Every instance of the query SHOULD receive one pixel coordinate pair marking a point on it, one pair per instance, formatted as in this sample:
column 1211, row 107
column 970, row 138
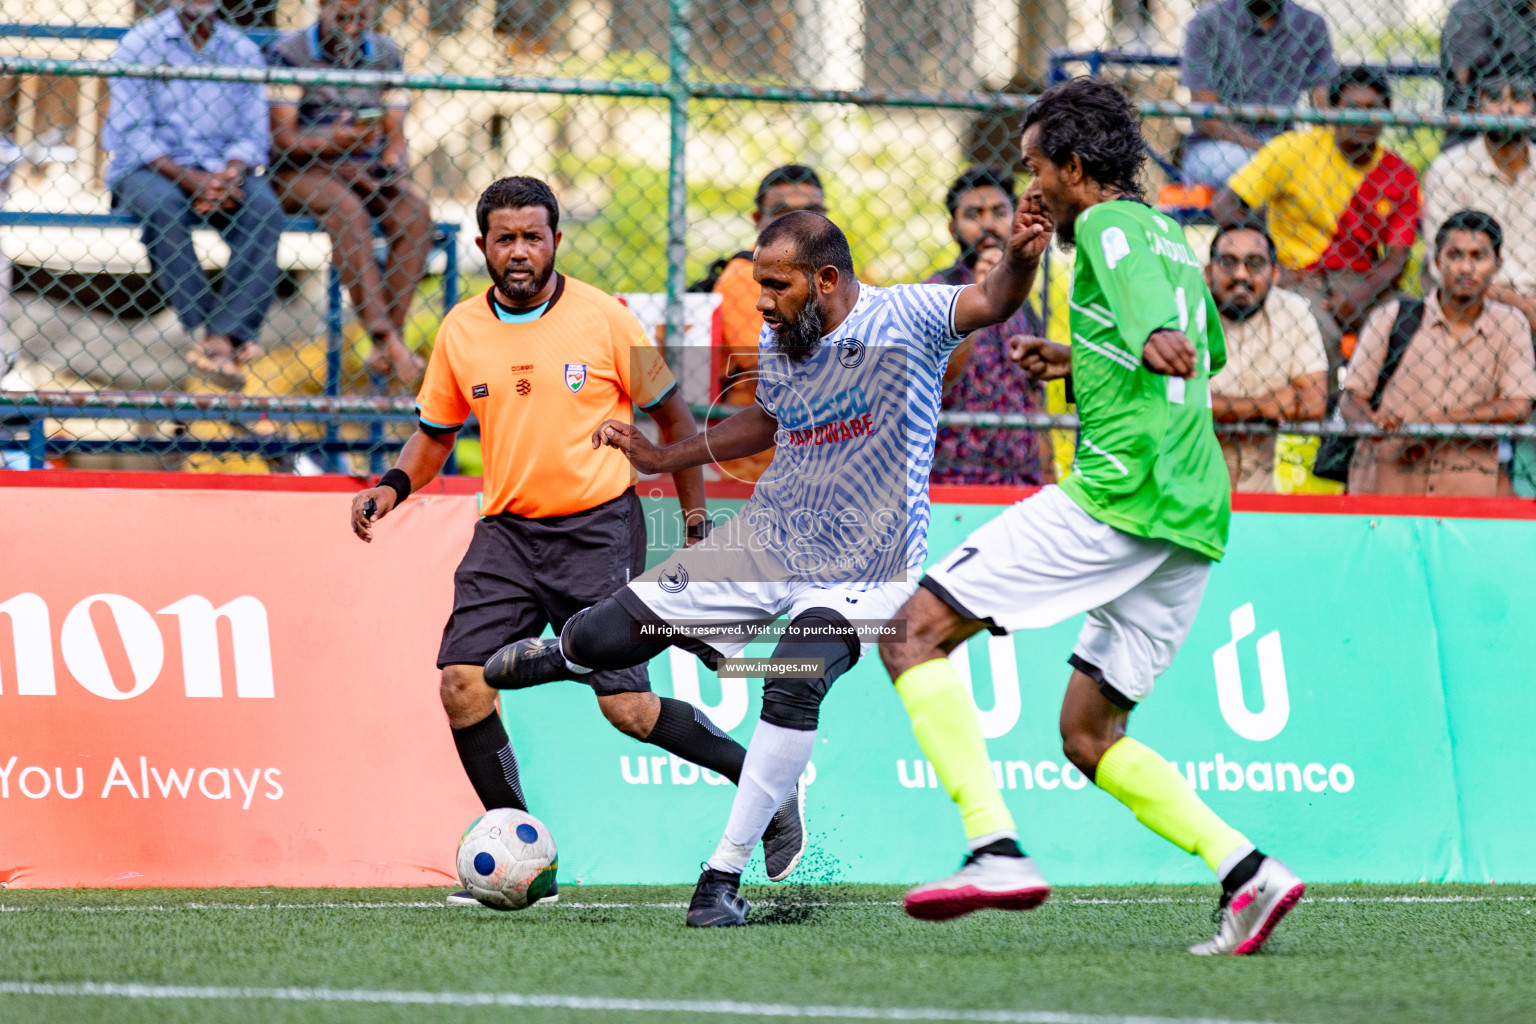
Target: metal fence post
column 451, row 268
column 680, row 37
column 451, row 299
column 37, row 443
column 333, row 344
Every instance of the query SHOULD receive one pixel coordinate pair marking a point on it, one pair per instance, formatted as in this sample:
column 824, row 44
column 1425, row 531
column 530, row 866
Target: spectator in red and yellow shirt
column 1343, row 209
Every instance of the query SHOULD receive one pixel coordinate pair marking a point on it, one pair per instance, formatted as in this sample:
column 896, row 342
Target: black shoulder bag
column 1337, row 451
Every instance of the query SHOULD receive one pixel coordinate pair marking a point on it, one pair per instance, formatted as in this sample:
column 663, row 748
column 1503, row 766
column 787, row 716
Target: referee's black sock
column 486, row 753
column 684, row 730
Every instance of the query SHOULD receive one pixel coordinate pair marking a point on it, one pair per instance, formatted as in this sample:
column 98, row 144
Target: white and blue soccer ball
column 507, row 859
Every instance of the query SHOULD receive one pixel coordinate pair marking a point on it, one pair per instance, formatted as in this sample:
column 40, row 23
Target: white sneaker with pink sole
column 1244, row 922
column 986, row 881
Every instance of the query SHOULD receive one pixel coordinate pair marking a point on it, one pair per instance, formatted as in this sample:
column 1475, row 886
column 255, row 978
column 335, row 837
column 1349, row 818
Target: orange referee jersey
column 539, row 390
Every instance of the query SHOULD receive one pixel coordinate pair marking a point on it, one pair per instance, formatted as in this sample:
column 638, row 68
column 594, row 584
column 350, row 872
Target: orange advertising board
column 225, row 687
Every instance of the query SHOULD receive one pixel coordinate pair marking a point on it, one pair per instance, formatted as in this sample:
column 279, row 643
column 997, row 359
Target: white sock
column 730, row 858
column 775, row 758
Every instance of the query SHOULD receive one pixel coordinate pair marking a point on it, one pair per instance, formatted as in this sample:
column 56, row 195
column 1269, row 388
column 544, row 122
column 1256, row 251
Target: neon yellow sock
column 947, row 728
column 1138, row 777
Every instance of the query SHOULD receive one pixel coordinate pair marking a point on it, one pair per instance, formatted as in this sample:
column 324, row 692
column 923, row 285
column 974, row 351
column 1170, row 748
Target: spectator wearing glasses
column 1265, row 52
column 1343, row 209
column 339, row 156
column 1494, row 173
column 187, row 153
column 783, row 190
column 980, row 376
column 1276, row 366
column 1470, row 361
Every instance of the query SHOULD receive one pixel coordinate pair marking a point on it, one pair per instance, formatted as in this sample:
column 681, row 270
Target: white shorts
column 723, row 579
column 1045, row 560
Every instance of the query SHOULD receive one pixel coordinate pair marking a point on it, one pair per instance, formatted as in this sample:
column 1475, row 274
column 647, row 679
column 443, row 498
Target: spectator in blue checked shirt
column 1263, row 52
column 186, row 153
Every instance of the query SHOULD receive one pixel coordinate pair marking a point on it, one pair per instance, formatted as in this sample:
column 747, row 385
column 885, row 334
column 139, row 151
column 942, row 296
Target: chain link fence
column 276, row 322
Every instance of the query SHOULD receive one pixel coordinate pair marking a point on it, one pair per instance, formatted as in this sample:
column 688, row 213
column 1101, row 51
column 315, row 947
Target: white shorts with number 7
column 1045, row 560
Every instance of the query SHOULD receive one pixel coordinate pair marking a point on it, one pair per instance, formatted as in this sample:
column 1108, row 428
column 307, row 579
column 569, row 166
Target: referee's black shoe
column 716, row 903
column 527, row 663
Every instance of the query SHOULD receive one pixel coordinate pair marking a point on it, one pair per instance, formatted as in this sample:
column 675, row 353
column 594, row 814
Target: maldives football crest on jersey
column 575, row 376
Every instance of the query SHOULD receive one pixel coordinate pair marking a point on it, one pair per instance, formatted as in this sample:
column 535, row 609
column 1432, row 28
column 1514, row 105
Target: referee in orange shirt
column 541, row 360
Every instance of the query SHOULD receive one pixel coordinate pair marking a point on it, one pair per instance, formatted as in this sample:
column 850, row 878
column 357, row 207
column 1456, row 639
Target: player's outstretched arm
column 422, row 458
column 1007, row 285
column 674, row 420
column 1169, row 353
column 746, row 433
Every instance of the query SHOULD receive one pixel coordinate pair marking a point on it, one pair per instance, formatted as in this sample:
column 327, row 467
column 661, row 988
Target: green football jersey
column 1148, row 460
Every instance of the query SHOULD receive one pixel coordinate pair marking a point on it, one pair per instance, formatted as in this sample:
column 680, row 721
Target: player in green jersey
column 1128, row 538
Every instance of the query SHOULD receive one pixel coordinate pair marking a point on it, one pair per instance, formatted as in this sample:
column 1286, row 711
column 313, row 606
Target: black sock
column 486, row 753
column 1242, row 872
column 1000, row 848
column 684, row 730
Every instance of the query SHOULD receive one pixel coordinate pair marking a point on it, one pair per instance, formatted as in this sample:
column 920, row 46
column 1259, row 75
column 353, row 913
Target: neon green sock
column 1138, row 777
column 947, row 728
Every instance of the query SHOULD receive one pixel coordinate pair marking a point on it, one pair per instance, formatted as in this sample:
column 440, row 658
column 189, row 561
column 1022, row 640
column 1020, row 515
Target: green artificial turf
column 1349, row 954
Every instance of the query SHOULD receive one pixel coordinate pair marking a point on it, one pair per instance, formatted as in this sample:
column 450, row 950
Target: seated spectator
column 339, row 155
column 784, row 190
column 183, row 153
column 1276, row 367
column 1249, row 52
column 1343, row 210
column 1485, row 38
column 1494, row 173
column 1469, row 362
column 980, row 376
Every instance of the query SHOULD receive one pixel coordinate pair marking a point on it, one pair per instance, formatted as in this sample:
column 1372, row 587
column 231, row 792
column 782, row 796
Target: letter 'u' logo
column 1266, row 723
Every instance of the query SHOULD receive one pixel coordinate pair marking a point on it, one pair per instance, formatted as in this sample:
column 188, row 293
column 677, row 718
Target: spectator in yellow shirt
column 1343, row 209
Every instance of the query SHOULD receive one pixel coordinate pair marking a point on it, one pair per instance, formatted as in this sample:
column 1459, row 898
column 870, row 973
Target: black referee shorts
column 520, row 574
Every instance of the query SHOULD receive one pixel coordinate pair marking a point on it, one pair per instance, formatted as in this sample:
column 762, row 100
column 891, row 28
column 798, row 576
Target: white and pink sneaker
column 986, row 881
column 1245, row 921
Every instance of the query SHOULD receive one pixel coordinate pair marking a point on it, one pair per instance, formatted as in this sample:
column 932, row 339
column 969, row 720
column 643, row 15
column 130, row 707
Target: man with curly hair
column 1128, row 538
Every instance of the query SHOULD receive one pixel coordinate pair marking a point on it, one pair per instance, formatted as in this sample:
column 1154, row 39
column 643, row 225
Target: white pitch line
column 731, row 1008
column 119, row 908
column 1074, row 901
column 1419, row 899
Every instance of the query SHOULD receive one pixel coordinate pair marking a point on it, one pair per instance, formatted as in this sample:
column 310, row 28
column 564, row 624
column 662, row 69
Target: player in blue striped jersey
column 835, row 534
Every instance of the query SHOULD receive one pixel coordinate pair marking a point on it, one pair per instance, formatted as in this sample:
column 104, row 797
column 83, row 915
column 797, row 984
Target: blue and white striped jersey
column 845, row 499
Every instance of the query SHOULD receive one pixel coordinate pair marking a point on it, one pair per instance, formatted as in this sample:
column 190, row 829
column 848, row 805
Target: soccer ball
column 507, row 859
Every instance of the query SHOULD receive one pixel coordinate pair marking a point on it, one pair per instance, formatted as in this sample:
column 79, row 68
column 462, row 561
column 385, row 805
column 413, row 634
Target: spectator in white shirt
column 1494, row 173
column 1277, row 368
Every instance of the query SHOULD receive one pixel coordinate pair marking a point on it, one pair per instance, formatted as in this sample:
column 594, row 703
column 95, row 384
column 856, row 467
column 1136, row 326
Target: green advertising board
column 1354, row 696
